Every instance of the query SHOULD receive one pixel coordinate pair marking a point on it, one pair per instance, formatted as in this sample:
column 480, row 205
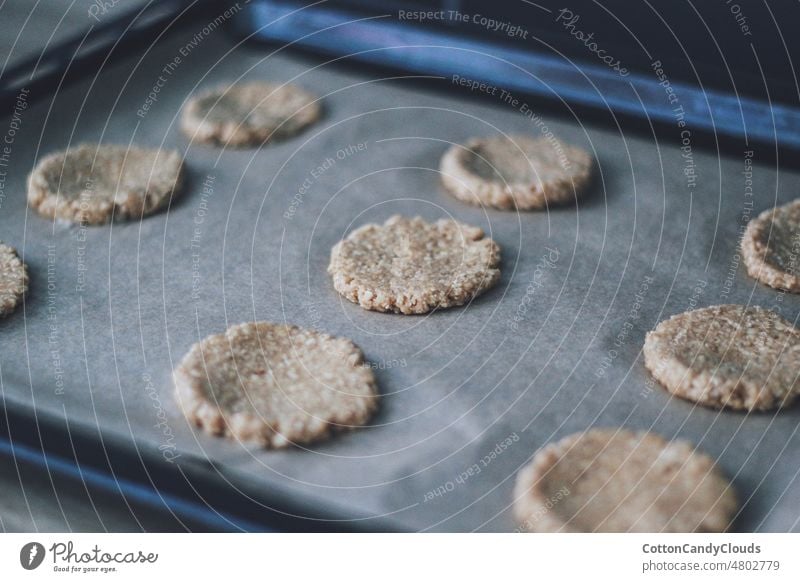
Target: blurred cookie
column 410, row 266
column 516, row 172
column 771, row 247
column 13, row 279
column 745, row 358
column 90, row 184
column 249, row 114
column 607, row 480
column 275, row 384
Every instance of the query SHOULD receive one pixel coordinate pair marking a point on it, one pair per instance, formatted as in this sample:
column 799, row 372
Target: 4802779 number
column 754, row 565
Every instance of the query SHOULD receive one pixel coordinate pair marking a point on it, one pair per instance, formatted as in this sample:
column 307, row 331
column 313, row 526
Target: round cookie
column 608, row 480
column 249, row 114
column 275, row 384
column 516, row 172
column 410, row 266
column 745, row 358
column 13, row 279
column 92, row 184
column 771, row 247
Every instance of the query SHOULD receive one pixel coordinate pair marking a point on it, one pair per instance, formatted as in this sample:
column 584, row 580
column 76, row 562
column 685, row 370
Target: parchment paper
column 470, row 393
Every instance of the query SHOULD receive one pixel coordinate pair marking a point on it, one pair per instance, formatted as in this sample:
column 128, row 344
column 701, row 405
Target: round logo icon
column 31, row 555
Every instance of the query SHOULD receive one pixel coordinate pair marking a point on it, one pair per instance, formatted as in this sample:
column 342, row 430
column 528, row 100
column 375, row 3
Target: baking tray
column 468, row 394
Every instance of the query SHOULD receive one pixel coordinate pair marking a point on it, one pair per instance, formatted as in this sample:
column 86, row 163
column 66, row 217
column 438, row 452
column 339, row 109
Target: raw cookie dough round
column 516, row 172
column 608, row 480
column 745, row 358
column 92, row 184
column 771, row 247
column 13, row 279
column 249, row 114
column 275, row 384
column 408, row 265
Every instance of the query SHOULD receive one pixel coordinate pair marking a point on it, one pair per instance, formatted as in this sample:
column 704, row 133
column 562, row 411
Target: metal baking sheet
column 469, row 393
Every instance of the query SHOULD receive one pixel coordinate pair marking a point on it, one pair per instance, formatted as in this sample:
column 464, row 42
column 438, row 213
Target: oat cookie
column 92, row 184
column 745, row 358
column 249, row 114
column 608, row 480
column 516, row 172
column 13, row 279
column 408, row 265
column 771, row 247
column 275, row 384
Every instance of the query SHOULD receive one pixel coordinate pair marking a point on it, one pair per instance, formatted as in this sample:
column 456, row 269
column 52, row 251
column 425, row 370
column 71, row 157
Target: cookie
column 410, row 266
column 249, row 114
column 744, row 358
column 771, row 247
column 13, row 279
column 516, row 172
column 608, row 480
column 275, row 384
column 92, row 184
